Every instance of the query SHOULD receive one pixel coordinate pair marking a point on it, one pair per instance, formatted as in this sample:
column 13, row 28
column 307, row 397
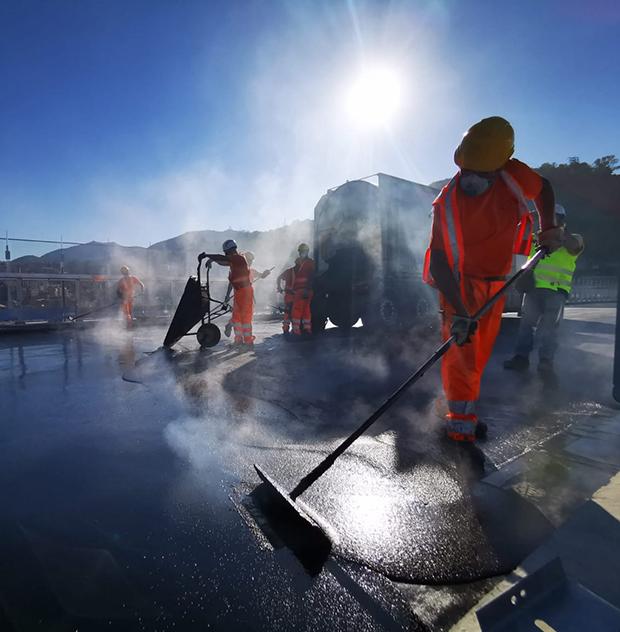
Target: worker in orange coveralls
column 125, row 291
column 302, row 291
column 255, row 275
column 288, row 279
column 243, row 300
column 480, row 219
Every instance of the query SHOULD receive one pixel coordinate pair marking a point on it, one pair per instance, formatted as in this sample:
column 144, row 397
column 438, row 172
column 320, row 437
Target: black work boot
column 481, row 430
column 517, row 363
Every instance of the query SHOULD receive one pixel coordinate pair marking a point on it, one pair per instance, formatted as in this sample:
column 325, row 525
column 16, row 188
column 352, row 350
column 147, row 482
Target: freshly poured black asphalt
column 130, row 500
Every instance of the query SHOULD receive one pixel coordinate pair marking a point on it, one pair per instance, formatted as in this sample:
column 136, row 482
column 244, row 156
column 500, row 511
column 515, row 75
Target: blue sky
column 136, row 120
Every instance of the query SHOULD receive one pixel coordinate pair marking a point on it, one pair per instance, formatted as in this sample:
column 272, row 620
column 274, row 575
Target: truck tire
column 381, row 315
column 390, row 313
column 318, row 323
column 423, row 309
column 318, row 313
column 342, row 313
column 419, row 310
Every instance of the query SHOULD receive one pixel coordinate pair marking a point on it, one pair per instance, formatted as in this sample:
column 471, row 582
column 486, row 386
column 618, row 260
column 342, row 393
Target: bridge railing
column 594, row 289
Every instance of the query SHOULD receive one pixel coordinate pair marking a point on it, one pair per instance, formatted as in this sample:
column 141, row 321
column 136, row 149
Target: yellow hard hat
column 486, row 146
column 303, row 246
column 124, row 270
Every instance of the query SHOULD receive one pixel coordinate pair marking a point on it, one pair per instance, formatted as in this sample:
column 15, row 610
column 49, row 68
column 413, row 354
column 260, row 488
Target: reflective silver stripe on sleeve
column 516, row 191
column 454, row 244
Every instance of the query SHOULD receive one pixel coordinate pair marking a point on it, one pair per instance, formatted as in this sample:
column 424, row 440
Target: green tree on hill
column 591, row 195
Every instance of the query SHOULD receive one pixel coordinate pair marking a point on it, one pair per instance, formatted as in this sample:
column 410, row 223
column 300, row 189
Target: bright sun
column 374, row 97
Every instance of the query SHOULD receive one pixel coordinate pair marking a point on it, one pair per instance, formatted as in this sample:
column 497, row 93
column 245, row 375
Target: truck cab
column 370, row 236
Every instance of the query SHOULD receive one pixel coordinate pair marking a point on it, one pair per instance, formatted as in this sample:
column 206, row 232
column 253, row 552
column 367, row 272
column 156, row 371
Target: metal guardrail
column 594, row 289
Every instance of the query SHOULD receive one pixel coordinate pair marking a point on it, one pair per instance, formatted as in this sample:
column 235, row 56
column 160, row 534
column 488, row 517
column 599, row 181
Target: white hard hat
column 228, row 245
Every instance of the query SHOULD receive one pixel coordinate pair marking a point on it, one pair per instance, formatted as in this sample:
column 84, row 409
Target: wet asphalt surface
column 130, row 501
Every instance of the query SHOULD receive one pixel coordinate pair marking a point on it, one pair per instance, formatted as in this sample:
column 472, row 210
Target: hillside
column 271, row 247
column 171, row 257
column 591, row 195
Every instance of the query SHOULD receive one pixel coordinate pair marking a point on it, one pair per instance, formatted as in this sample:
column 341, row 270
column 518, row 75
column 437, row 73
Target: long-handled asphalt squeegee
column 92, row 311
column 312, row 476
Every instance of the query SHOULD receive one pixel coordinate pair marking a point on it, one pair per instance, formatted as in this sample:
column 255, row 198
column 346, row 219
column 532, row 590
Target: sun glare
column 374, row 97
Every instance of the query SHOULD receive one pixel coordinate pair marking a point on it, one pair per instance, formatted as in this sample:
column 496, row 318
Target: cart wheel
column 208, row 335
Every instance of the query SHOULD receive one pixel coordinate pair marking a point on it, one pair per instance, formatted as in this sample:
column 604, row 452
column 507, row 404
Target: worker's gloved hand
column 551, row 239
column 463, row 328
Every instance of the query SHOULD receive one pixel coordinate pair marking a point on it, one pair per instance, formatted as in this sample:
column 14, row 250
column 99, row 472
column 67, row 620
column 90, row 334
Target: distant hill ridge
column 589, row 192
column 176, row 256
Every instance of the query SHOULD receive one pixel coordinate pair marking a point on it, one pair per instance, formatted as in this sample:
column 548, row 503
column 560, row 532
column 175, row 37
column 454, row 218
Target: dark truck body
column 369, row 244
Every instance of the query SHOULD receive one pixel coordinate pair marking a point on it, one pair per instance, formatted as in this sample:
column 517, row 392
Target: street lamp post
column 616, row 390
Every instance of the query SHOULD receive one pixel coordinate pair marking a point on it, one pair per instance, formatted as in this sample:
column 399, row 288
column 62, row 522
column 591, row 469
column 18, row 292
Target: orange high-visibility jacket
column 239, row 275
column 303, row 274
column 516, row 231
column 126, row 286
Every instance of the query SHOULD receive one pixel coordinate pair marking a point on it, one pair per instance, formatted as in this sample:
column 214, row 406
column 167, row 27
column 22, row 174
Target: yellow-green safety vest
column 555, row 271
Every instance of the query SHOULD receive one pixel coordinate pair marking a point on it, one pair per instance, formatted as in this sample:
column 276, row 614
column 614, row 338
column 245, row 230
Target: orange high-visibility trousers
column 462, row 367
column 127, row 311
column 300, row 313
column 243, row 312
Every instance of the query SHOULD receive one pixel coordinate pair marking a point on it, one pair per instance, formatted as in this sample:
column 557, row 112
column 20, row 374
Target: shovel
column 289, row 498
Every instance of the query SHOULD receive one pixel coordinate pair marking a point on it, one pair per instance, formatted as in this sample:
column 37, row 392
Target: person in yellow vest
column 543, row 305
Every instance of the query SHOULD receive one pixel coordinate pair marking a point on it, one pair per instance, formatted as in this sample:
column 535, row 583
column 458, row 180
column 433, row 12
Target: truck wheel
column 343, row 316
column 418, row 311
column 343, row 322
column 393, row 314
column 423, row 308
column 318, row 323
column 388, row 313
column 380, row 315
column 318, row 313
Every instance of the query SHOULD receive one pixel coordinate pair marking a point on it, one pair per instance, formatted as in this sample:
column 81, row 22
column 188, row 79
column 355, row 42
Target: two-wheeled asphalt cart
column 198, row 306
